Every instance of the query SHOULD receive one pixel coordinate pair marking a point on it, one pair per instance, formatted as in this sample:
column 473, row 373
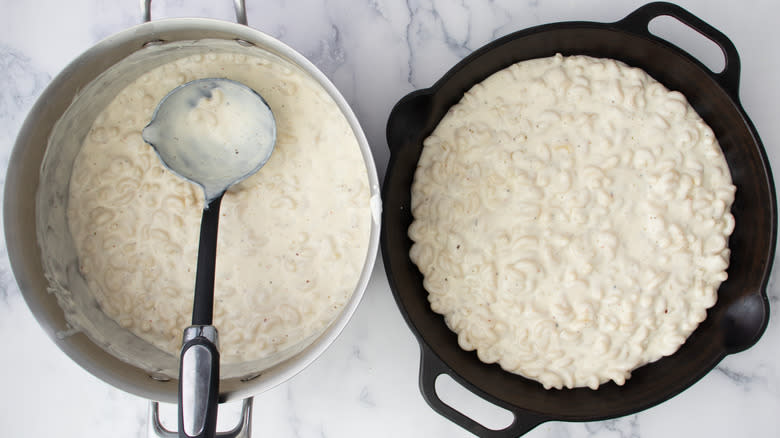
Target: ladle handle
column 199, row 383
column 203, row 304
column 239, row 5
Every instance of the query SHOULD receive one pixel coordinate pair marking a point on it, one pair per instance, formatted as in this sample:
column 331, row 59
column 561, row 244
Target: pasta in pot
column 571, row 220
column 293, row 238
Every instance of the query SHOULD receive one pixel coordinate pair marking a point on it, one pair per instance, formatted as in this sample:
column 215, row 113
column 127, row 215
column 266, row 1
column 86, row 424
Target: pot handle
column 239, row 5
column 242, row 430
column 638, row 21
column 432, row 367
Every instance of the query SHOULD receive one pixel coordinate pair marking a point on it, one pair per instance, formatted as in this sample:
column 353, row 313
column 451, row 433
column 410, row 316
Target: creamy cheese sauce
column 572, row 218
column 293, row 238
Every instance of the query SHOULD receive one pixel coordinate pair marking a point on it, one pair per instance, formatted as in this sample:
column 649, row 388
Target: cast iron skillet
column 735, row 323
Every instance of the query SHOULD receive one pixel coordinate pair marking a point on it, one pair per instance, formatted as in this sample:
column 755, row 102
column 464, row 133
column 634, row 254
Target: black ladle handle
column 639, row 20
column 432, row 367
column 203, row 304
column 199, row 383
column 199, row 362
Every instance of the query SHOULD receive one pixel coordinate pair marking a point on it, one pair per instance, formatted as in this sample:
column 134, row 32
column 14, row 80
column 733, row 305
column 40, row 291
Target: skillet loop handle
column 408, row 116
column 238, row 5
column 432, row 367
column 638, row 21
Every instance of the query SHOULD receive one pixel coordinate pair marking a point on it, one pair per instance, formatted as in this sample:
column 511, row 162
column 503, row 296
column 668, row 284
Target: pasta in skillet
column 571, row 220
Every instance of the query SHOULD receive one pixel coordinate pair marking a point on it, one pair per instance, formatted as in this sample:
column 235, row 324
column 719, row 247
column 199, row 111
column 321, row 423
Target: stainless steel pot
column 70, row 103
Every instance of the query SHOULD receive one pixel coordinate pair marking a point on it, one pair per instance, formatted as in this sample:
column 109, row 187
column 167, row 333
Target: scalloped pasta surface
column 293, row 238
column 571, row 220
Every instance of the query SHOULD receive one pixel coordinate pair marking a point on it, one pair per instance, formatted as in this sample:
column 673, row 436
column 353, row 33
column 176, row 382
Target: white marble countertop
column 375, row 51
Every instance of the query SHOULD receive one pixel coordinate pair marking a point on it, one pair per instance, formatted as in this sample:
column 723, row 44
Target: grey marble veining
column 20, row 84
column 365, row 384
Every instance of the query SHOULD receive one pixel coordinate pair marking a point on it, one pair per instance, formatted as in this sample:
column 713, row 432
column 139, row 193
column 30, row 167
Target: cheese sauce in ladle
column 213, row 132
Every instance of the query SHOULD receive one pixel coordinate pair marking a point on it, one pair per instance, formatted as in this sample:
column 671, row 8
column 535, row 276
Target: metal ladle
column 214, row 133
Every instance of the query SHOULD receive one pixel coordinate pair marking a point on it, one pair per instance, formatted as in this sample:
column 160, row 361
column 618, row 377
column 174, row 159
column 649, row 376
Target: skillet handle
column 432, row 367
column 638, row 21
column 239, row 5
column 407, row 118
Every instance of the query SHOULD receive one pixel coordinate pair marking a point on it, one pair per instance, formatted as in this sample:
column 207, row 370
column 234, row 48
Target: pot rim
column 22, row 185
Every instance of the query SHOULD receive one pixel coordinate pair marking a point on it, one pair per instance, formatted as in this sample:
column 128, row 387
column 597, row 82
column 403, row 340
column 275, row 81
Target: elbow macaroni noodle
column 571, row 220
